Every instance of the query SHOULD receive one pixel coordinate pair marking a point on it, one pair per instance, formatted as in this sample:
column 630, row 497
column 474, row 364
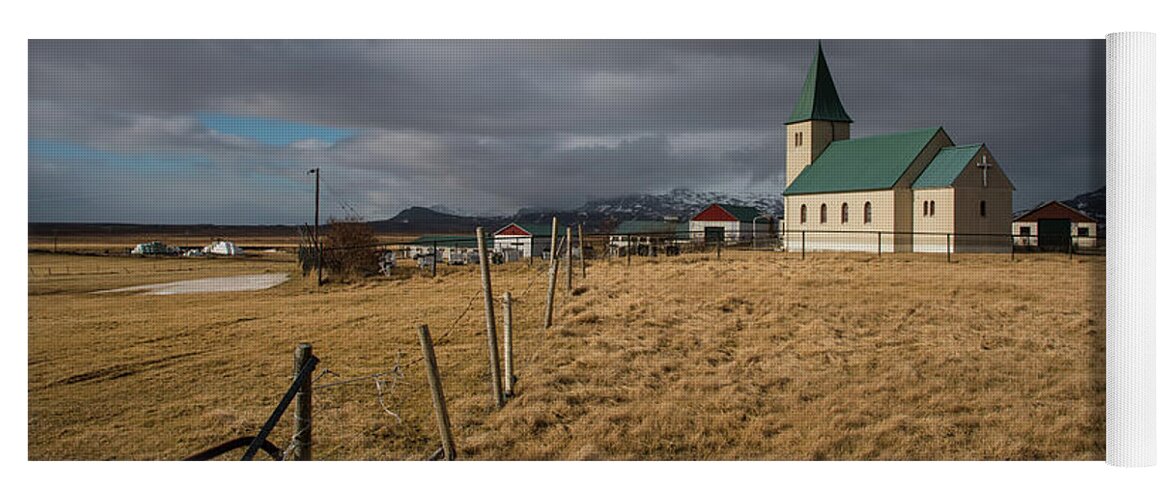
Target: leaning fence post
column 552, row 276
column 581, row 249
column 509, row 379
column 569, row 256
column 489, row 317
column 437, row 393
column 719, row 249
column 303, row 413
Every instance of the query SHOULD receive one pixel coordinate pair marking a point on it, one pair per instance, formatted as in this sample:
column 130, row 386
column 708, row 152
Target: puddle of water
column 245, row 283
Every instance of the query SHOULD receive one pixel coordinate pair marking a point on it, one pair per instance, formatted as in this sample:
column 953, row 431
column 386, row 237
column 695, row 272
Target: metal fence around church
column 628, row 246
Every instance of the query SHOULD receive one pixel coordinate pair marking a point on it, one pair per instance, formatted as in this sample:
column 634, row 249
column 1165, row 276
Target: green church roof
column 946, row 166
column 819, row 98
column 867, row 164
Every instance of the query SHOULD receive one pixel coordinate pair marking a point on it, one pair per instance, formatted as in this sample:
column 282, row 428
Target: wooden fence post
column 303, row 413
column 569, row 262
column 802, row 245
column 509, row 378
column 880, row 243
column 434, row 257
column 949, row 247
column 437, row 393
column 719, row 249
column 581, row 249
column 552, row 276
column 490, row 317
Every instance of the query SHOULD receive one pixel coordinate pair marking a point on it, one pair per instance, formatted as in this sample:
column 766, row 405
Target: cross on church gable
column 984, row 166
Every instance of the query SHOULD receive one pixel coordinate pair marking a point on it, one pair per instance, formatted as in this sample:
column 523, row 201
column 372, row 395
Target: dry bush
column 350, row 249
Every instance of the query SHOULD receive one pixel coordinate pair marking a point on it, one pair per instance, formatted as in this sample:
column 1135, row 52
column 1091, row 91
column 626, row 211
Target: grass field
column 758, row 355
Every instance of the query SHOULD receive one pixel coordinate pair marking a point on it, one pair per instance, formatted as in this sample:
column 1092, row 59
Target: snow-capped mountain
column 682, row 203
column 1092, row 204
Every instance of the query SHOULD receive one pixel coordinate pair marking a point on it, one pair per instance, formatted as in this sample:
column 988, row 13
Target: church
column 912, row 191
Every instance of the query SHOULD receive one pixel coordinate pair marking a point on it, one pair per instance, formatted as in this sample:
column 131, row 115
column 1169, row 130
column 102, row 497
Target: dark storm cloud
column 492, row 126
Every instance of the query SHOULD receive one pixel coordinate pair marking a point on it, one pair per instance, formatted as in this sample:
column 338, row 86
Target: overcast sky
column 223, row 131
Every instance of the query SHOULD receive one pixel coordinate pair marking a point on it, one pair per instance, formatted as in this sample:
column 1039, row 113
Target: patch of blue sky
column 271, row 131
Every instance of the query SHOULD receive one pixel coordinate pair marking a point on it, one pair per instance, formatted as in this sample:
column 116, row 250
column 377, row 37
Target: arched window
column 933, row 208
column 803, row 214
column 867, row 216
column 924, row 209
column 824, row 213
column 845, row 213
column 983, row 209
column 797, row 139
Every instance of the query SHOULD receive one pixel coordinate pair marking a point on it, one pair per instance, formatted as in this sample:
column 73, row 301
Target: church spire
column 819, row 98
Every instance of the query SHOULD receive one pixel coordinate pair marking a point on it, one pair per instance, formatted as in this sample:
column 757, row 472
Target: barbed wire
column 385, row 383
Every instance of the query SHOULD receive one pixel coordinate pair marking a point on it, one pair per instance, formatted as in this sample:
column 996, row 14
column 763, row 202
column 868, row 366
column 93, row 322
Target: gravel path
column 245, row 283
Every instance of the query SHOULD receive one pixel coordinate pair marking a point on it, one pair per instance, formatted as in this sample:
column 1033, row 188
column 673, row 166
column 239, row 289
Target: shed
column 1055, row 226
column 529, row 239
column 723, row 222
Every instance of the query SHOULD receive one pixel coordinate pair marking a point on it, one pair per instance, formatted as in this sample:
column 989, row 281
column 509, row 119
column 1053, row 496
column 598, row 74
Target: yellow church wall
column 855, row 235
column 933, row 227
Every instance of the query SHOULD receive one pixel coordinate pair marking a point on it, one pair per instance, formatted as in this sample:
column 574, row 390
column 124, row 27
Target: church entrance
column 1053, row 235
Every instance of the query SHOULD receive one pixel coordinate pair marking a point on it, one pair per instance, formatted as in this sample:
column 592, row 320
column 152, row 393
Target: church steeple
column 817, row 120
column 819, row 98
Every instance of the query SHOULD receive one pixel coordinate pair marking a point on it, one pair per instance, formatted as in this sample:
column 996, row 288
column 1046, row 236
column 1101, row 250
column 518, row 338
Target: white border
column 1130, row 331
column 532, row 19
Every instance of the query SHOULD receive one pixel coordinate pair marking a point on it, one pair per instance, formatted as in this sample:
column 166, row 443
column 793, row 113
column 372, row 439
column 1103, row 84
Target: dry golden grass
column 756, row 356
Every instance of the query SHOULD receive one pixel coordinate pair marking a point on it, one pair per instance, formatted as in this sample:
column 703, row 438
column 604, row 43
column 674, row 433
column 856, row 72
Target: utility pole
column 317, row 220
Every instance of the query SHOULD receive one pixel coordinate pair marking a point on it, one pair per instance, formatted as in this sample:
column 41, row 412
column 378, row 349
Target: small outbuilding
column 525, row 239
column 154, row 248
column 1055, row 226
column 221, row 247
column 721, row 222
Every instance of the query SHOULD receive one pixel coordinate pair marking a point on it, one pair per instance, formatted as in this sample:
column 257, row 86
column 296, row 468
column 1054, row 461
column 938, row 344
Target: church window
column 845, row 213
column 803, row 214
column 924, row 209
column 797, row 139
column 933, row 208
column 983, row 209
column 867, row 217
column 824, row 213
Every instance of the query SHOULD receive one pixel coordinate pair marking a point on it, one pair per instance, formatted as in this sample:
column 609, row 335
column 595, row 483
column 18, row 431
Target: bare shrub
column 350, row 248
